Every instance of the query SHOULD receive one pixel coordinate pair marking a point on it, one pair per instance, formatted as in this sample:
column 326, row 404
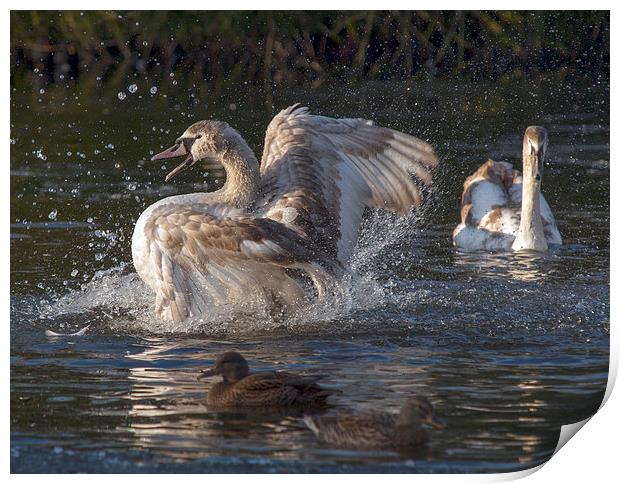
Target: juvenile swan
column 301, row 209
column 502, row 210
column 377, row 429
column 240, row 388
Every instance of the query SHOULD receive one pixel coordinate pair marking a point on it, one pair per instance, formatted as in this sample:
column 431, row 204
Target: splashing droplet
column 133, row 88
column 122, row 95
column 53, row 214
column 154, row 90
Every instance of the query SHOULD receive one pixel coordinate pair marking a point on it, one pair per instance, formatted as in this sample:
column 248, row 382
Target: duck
column 270, row 389
column 282, row 229
column 503, row 209
column 376, row 429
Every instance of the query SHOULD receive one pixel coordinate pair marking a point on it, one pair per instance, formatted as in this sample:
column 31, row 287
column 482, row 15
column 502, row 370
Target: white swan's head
column 534, row 150
column 202, row 140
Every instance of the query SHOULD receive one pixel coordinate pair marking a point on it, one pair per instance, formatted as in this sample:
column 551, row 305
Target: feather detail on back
column 196, row 256
column 264, row 389
column 365, row 430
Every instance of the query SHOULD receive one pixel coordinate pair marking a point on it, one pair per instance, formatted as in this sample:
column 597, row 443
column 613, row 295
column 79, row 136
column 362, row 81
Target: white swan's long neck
column 242, row 184
column 531, row 235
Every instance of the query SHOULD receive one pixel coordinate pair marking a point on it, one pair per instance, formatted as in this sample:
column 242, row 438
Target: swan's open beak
column 178, row 149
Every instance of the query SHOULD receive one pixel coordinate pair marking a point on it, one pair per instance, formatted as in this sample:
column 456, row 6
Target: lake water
column 507, row 347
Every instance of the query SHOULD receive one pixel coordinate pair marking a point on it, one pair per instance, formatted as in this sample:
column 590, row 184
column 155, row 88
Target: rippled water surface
column 507, row 347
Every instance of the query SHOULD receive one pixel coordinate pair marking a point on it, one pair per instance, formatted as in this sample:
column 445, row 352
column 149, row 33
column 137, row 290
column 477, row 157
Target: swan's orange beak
column 178, row 149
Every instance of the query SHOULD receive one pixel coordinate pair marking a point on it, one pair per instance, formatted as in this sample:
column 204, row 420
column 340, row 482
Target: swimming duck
column 239, row 388
column 502, row 210
column 300, row 209
column 377, row 429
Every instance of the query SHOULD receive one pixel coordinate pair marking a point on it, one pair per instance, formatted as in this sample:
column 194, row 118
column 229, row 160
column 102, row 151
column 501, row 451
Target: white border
column 589, row 457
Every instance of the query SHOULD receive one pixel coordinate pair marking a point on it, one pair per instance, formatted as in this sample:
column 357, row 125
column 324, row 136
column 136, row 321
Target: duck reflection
column 169, row 411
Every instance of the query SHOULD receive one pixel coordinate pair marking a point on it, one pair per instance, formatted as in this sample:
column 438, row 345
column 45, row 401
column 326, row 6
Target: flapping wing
column 190, row 247
column 319, row 173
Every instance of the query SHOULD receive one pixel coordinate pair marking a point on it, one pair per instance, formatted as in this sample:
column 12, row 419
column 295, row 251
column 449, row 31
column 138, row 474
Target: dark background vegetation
column 310, row 48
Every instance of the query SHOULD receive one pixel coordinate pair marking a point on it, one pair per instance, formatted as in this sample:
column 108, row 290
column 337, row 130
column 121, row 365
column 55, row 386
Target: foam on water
column 118, row 300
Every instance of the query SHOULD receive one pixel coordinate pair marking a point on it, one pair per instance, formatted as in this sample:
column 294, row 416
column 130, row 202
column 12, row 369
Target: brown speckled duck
column 239, row 388
column 377, row 429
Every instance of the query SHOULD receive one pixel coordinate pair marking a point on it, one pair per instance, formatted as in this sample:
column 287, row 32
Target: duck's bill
column 206, row 373
column 437, row 423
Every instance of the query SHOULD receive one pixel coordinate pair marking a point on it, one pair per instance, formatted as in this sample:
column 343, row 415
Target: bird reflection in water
column 526, row 266
column 169, row 414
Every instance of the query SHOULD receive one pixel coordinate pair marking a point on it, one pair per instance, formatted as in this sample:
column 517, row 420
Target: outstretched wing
column 190, row 250
column 319, row 173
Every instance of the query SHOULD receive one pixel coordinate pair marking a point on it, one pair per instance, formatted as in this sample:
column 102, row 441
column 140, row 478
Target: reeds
column 307, row 47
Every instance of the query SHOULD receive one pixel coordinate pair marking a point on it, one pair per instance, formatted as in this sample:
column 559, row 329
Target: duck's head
column 418, row 410
column 202, row 140
column 534, row 149
column 231, row 365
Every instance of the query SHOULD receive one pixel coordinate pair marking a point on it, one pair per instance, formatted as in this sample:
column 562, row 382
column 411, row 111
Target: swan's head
column 418, row 410
column 208, row 140
column 534, row 149
column 231, row 365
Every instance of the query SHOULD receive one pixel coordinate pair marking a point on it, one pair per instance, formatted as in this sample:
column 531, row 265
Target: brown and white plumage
column 301, row 209
column 240, row 388
column 495, row 214
column 376, row 429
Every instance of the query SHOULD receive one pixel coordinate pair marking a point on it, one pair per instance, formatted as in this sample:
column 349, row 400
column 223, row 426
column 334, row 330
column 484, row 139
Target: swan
column 297, row 213
column 502, row 210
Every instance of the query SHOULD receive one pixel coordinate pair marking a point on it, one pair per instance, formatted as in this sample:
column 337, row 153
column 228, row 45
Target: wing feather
column 191, row 249
column 329, row 169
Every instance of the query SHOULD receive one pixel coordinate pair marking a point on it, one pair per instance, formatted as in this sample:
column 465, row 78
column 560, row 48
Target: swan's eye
column 537, row 177
column 198, row 136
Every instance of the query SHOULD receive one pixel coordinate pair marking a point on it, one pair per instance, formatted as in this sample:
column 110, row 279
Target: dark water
column 507, row 347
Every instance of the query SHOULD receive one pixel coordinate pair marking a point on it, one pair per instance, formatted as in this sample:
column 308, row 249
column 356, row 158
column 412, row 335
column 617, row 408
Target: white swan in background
column 299, row 212
column 502, row 210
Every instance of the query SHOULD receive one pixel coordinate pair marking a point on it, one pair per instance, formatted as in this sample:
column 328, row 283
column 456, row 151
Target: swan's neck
column 242, row 176
column 531, row 235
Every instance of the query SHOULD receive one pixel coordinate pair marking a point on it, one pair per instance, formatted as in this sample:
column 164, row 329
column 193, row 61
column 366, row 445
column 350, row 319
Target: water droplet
column 41, row 91
column 122, row 95
column 132, row 89
column 74, row 272
column 52, row 215
column 154, row 90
